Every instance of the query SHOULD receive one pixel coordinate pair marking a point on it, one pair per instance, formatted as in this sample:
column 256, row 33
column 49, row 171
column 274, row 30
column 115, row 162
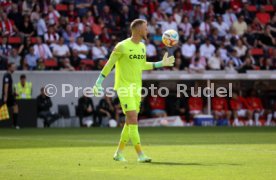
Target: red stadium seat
column 88, row 62
column 1, row 40
column 14, row 40
column 252, row 8
column 33, row 40
column 268, row 8
column 257, row 51
column 61, row 7
column 50, row 63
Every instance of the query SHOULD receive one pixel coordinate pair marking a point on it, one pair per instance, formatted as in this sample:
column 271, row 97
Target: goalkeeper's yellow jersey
column 130, row 61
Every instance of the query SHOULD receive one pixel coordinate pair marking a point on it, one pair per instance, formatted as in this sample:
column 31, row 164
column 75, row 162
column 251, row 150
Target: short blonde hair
column 137, row 22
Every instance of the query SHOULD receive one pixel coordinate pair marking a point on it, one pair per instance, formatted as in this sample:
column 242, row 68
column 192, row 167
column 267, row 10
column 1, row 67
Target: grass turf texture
column 178, row 153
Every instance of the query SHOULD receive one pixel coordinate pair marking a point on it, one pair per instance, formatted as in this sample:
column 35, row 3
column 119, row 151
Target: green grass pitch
column 178, row 153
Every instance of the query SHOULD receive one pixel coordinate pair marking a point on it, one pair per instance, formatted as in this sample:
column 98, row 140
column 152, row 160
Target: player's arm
column 115, row 55
column 166, row 62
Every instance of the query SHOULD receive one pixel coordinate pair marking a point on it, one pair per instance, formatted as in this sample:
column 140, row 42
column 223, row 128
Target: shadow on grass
column 193, row 164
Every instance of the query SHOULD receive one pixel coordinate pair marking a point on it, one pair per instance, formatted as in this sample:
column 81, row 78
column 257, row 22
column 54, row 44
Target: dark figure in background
column 106, row 110
column 8, row 93
column 86, row 108
column 44, row 104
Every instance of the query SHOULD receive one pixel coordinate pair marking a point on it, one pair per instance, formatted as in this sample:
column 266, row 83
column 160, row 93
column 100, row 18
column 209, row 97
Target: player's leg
column 132, row 120
column 15, row 116
column 127, row 104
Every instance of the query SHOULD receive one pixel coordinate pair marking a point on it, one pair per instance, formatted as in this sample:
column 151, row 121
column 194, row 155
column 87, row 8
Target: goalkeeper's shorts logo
column 134, row 56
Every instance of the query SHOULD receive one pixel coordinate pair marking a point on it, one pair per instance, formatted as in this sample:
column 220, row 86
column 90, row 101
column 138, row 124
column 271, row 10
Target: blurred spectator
column 185, row 26
column 157, row 105
column 27, row 7
column 5, row 50
column 220, row 108
column 72, row 13
column 196, row 66
column 15, row 58
column 75, row 59
column 44, row 105
column 152, row 26
column 249, row 38
column 215, row 62
column 167, row 6
column 35, row 15
column 266, row 39
column 205, row 27
column 68, row 35
column 256, row 26
column 106, row 110
column 23, row 88
column 86, row 109
column 51, row 37
column 108, row 17
column 221, row 26
column 240, row 25
column 31, row 59
column 60, row 50
column 157, row 38
column 196, row 15
column 7, row 27
column 240, row 48
column 202, row 59
column 41, row 27
column 53, row 15
column 237, row 62
column 263, row 16
column 88, row 36
column 159, row 15
column 42, row 50
column 66, row 65
column 26, row 27
column 207, row 50
column 256, row 105
column 240, row 108
column 178, row 60
column 23, row 49
column 15, row 15
column 83, row 6
column 99, row 53
column 81, row 48
column 151, row 51
column 188, row 51
column 247, row 65
column 230, row 67
column 229, row 17
column 170, row 24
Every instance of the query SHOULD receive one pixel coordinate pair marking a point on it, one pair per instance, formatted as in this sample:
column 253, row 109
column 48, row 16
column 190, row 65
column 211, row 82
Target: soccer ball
column 170, row 38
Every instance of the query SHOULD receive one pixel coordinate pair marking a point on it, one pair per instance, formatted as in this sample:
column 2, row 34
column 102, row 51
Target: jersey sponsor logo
column 136, row 56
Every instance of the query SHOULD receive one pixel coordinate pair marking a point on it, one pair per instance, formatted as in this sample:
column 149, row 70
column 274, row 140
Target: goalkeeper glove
column 98, row 88
column 166, row 61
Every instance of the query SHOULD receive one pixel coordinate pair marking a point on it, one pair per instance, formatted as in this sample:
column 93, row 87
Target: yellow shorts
column 130, row 103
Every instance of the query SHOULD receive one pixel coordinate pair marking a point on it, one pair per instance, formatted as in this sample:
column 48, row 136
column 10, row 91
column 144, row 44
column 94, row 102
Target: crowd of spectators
column 235, row 35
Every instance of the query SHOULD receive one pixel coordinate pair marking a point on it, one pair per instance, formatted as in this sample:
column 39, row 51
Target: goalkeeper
column 129, row 58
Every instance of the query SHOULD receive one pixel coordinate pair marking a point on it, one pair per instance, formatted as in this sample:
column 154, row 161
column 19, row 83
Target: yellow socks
column 124, row 139
column 135, row 138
